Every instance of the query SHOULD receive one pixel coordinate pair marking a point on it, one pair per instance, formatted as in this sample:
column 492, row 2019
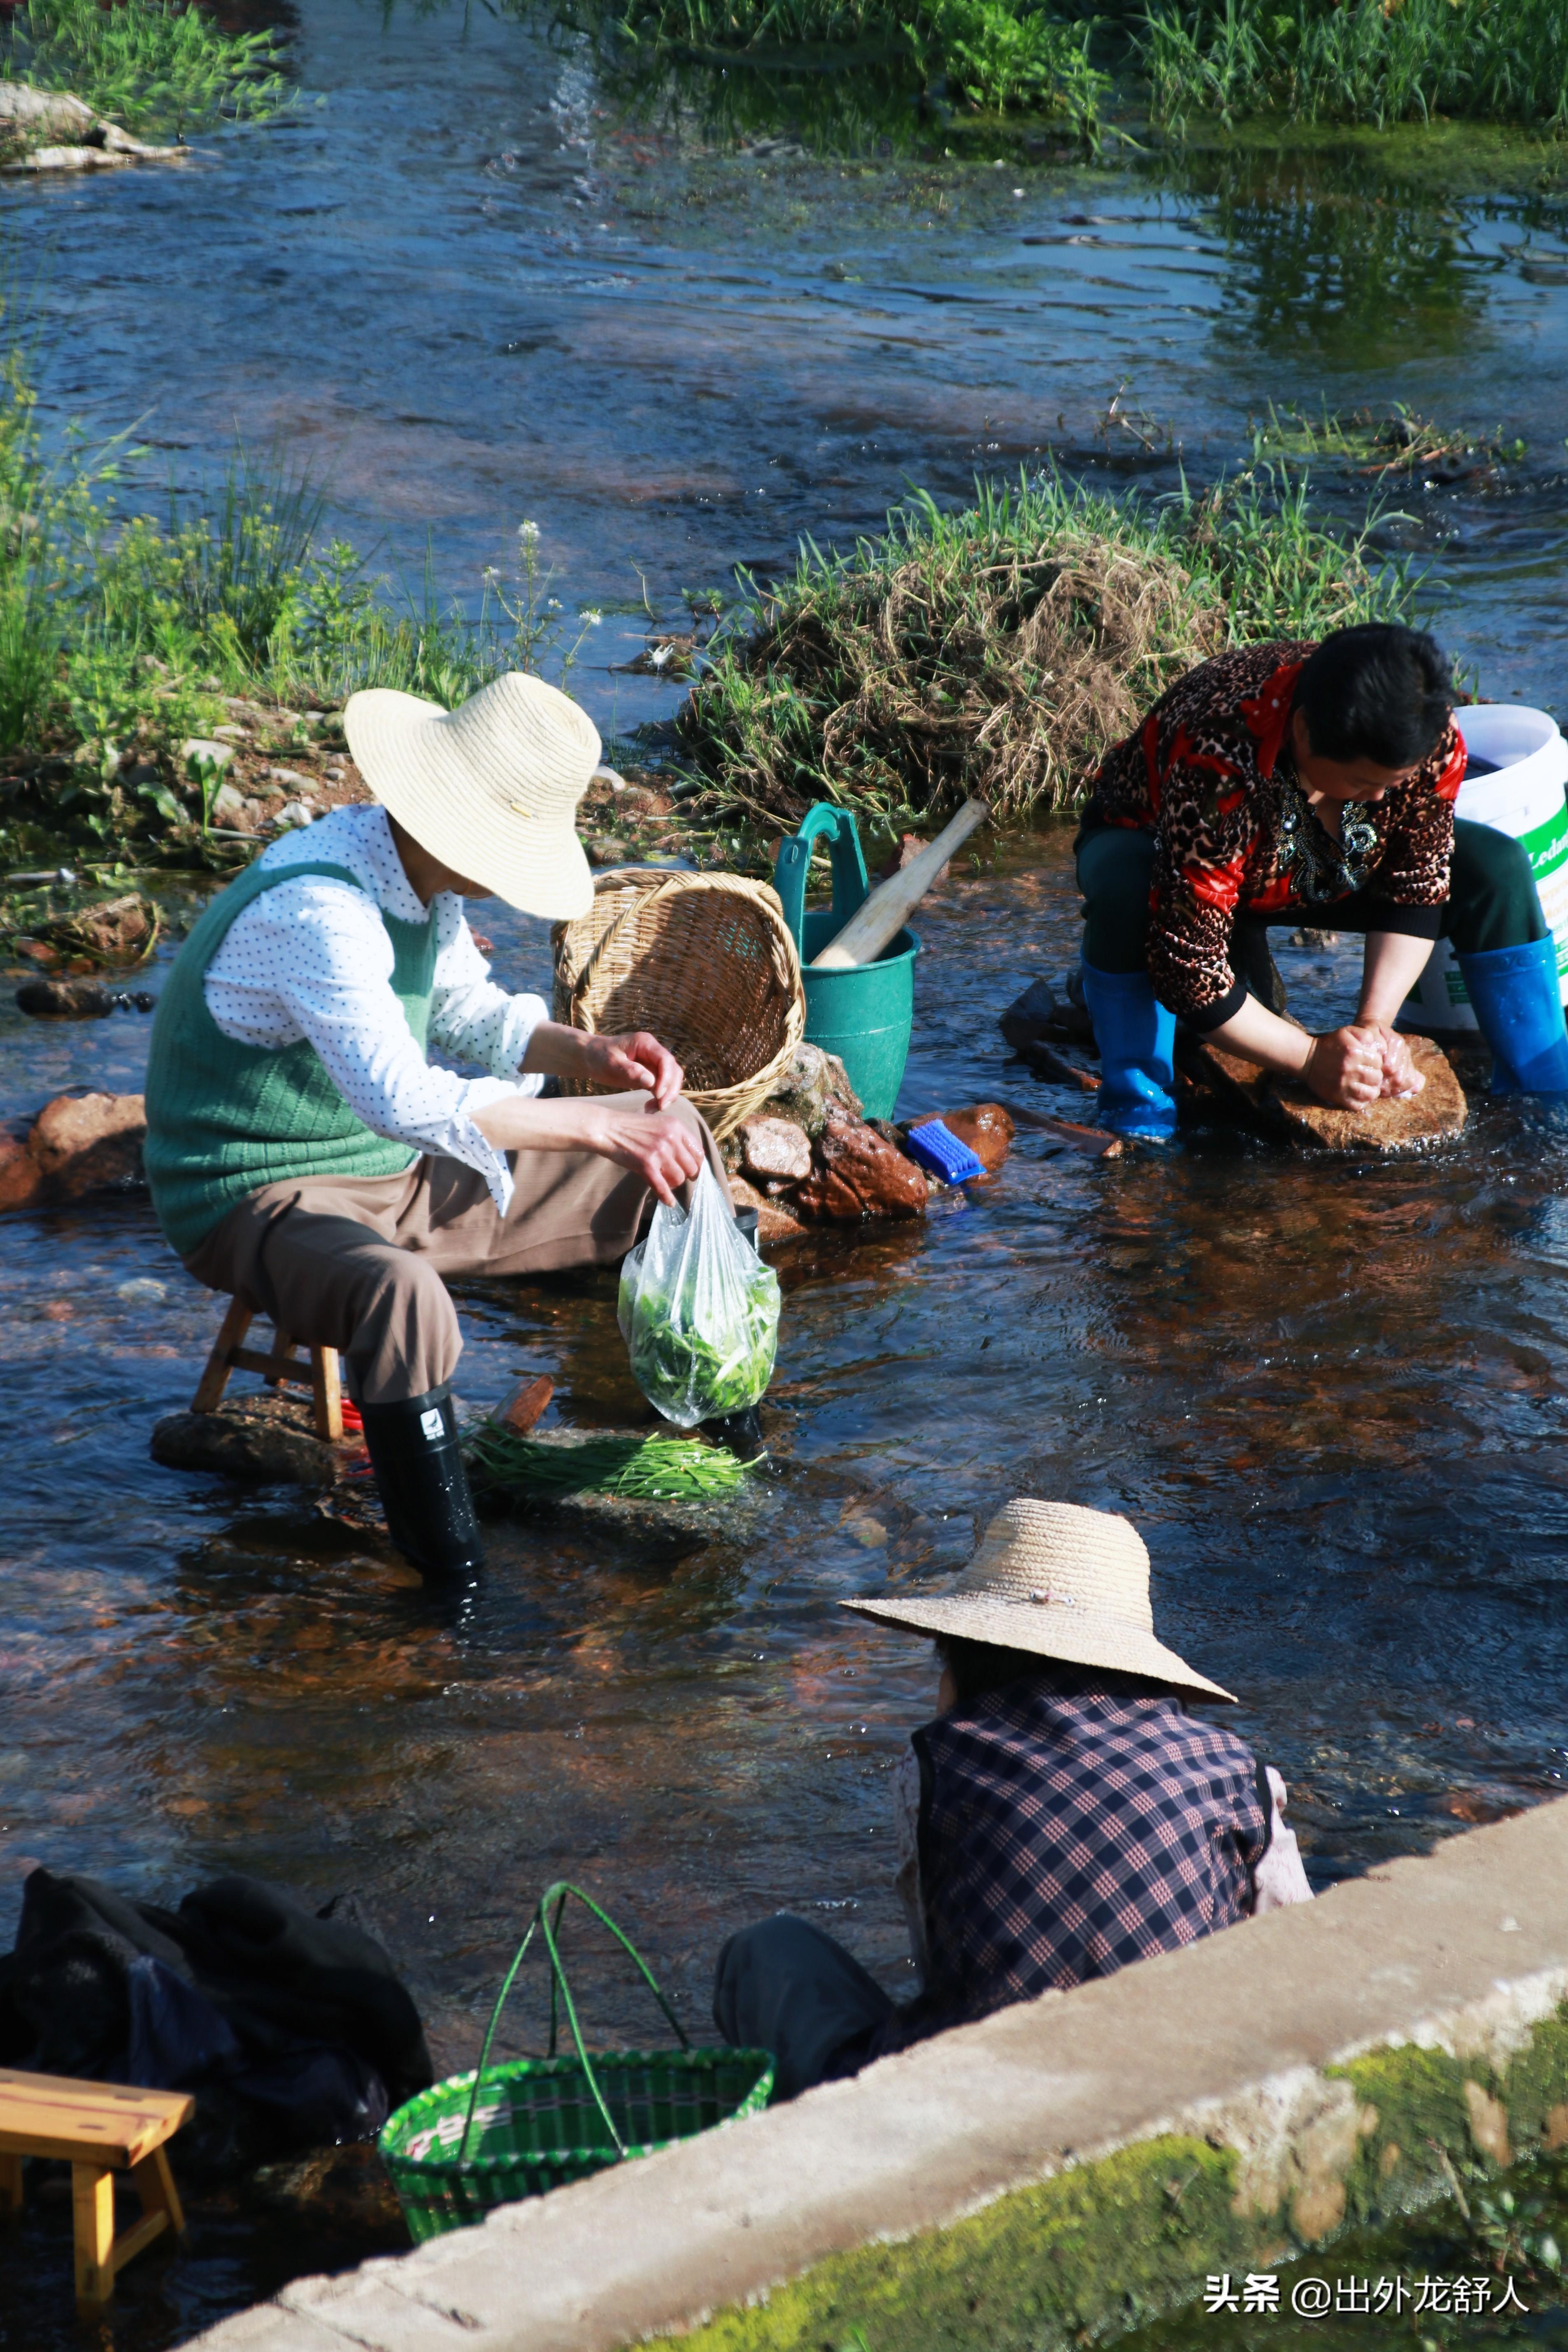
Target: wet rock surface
column 774, row 1151
column 1285, row 1107
column 268, row 1439
column 859, row 1174
column 986, row 1128
column 81, row 1142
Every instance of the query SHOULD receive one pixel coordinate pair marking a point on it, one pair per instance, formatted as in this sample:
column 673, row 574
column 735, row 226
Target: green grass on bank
column 123, row 631
column 160, row 69
column 1077, row 67
column 1002, row 649
column 998, row 648
column 1373, row 61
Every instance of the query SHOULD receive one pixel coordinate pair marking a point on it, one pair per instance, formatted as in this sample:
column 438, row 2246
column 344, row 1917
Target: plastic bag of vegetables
column 699, row 1311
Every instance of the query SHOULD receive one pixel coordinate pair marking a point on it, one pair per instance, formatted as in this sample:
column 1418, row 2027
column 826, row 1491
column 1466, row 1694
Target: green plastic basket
column 499, row 2133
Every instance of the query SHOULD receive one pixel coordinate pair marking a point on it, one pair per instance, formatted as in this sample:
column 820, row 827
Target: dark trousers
column 785, row 1986
column 1492, row 903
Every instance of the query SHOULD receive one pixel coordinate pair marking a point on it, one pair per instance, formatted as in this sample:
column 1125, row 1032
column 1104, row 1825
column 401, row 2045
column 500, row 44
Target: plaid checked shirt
column 1067, row 1827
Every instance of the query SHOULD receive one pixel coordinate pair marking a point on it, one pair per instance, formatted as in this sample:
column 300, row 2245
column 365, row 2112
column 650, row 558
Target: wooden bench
column 99, row 2129
column 316, row 1371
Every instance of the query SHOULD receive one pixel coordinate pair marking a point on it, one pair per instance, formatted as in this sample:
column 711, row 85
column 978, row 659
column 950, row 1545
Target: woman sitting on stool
column 1279, row 783
column 1063, row 1816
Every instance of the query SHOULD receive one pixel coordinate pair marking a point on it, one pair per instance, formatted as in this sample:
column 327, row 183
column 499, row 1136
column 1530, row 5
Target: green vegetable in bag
column 699, row 1312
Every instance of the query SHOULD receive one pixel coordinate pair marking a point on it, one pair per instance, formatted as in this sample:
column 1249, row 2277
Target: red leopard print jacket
column 1212, row 775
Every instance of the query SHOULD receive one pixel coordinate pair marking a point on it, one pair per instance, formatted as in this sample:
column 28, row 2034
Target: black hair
column 977, row 1667
column 1376, row 692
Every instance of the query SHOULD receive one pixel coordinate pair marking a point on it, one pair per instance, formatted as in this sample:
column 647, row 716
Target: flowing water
column 1333, row 1397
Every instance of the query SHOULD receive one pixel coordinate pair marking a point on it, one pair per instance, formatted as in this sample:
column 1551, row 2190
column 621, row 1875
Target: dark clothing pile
column 1068, row 1825
column 289, row 2026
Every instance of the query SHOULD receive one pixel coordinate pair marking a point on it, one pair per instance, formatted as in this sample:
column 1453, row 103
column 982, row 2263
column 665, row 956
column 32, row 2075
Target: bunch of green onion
column 640, row 1469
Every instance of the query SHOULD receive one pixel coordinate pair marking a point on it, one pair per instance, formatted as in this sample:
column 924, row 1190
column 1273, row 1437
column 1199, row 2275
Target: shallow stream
column 1333, row 1399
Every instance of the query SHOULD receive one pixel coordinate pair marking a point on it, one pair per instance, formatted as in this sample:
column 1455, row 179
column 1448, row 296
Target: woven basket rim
column 416, row 2112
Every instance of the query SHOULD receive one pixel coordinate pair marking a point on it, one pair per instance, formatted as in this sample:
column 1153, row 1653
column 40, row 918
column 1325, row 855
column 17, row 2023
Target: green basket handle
column 852, row 883
column 557, row 1984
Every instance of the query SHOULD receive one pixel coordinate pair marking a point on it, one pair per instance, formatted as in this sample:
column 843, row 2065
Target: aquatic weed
column 159, row 68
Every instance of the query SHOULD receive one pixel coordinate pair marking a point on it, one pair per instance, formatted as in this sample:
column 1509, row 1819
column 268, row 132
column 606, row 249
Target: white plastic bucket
column 1524, row 798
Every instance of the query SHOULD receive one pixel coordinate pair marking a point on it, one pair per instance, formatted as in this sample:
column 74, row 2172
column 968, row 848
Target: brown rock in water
column 268, row 1439
column 858, row 1174
column 986, row 1128
column 775, row 1151
column 776, row 1219
column 814, row 1083
column 528, row 1404
column 83, row 1142
column 21, row 1177
column 1286, row 1107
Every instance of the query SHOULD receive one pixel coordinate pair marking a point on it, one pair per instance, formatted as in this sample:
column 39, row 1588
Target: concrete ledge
column 1088, row 2154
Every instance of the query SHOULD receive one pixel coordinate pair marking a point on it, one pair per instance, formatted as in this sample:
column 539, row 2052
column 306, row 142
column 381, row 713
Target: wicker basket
column 704, row 961
column 532, row 2125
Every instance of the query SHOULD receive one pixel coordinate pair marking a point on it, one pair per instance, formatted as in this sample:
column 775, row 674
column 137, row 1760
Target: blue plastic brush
column 935, row 1147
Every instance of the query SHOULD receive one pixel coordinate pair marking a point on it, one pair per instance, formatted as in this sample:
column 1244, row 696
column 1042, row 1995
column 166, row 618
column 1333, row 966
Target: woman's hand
column 1400, row 1075
column 624, row 1064
column 635, row 1063
column 661, row 1149
column 1345, row 1068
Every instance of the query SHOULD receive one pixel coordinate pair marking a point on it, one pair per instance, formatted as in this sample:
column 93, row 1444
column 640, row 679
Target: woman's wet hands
column 1400, row 1075
column 1345, row 1068
column 653, row 1144
column 633, row 1063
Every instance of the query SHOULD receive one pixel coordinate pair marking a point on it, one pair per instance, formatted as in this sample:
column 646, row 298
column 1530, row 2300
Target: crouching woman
column 1281, row 784
column 1063, row 1816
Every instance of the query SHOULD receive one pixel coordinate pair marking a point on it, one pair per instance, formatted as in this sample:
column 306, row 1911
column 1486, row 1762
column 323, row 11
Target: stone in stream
column 858, row 1174
column 268, row 1439
column 79, row 1143
column 814, row 1083
column 1284, row 1107
column 1045, row 1012
column 776, row 1218
column 986, row 1128
column 774, row 1151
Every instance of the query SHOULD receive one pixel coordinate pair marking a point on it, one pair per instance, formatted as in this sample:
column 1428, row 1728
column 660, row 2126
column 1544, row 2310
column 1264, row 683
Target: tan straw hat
column 1057, row 1581
column 490, row 788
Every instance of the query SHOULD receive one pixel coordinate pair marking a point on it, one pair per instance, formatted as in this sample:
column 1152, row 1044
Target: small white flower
column 491, row 577
column 529, row 533
column 586, row 612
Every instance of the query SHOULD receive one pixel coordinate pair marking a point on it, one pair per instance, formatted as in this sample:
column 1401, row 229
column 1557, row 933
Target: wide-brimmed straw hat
column 490, row 788
column 1060, row 1581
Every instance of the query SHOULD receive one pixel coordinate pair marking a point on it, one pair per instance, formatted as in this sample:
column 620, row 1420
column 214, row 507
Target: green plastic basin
column 863, row 1015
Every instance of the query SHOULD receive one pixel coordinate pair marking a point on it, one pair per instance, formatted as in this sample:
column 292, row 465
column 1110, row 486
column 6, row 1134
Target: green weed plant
column 1003, row 648
column 160, row 69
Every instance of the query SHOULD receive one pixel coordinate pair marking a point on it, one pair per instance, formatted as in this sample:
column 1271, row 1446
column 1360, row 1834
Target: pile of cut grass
column 636, row 1469
column 1002, row 649
column 160, row 69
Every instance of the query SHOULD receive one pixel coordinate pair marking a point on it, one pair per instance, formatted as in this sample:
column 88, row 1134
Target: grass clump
column 160, row 69
column 994, row 55
column 1002, row 649
column 125, row 633
column 1370, row 61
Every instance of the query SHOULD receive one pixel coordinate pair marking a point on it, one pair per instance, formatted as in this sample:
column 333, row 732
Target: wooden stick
column 327, row 1393
column 879, row 921
column 1097, row 1140
column 215, row 1379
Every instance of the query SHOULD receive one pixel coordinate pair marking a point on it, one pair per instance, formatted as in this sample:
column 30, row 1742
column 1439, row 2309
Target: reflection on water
column 1332, row 1398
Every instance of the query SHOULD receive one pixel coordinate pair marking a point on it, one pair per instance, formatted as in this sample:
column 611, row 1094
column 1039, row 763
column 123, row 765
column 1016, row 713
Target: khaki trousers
column 357, row 1264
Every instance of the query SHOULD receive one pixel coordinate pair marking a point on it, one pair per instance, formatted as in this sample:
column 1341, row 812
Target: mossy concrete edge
column 1067, row 2165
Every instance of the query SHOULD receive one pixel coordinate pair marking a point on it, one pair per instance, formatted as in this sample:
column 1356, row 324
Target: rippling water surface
column 1332, row 1396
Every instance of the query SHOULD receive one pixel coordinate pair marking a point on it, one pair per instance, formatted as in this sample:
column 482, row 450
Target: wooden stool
column 99, row 2129
column 317, row 1371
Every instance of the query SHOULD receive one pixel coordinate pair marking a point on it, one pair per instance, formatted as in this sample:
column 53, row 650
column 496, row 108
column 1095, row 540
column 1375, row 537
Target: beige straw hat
column 490, row 788
column 1057, row 1581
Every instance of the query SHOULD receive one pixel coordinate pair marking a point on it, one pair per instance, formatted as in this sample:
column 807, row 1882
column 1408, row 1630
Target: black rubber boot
column 423, row 1484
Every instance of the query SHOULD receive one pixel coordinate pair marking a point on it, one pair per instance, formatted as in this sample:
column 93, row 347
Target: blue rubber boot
column 1516, row 998
column 1137, row 1037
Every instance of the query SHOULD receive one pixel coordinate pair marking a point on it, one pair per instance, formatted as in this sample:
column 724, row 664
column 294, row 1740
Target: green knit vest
column 223, row 1119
